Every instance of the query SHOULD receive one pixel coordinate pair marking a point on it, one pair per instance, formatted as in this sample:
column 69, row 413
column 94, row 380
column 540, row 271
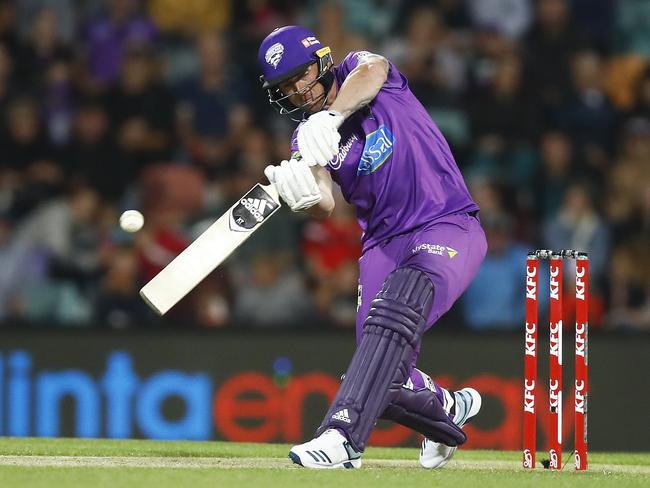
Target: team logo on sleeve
column 378, row 148
column 274, row 54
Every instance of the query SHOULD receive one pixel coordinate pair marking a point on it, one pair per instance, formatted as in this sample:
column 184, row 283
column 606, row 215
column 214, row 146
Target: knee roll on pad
column 380, row 365
column 404, row 300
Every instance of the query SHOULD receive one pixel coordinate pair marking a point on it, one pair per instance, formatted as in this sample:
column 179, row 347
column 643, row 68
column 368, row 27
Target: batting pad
column 422, row 411
column 381, row 364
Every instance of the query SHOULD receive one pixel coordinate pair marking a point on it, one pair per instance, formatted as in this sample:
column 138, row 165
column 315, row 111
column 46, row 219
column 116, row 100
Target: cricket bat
column 211, row 248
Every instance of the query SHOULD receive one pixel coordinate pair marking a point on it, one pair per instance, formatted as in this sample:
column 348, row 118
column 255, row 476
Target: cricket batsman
column 361, row 126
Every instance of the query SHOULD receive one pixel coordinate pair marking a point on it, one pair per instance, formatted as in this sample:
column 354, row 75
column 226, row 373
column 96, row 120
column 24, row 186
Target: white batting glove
column 295, row 183
column 318, row 137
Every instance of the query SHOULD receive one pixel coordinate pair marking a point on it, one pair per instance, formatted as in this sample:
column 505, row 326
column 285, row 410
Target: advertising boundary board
column 274, row 386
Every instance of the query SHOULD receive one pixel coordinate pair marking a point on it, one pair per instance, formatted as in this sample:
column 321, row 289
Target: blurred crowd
column 107, row 105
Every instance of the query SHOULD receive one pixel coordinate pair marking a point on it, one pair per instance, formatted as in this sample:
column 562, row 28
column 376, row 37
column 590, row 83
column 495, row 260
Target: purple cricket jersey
column 394, row 165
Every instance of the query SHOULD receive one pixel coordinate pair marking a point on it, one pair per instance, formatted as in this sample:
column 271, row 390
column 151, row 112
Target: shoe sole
column 352, row 464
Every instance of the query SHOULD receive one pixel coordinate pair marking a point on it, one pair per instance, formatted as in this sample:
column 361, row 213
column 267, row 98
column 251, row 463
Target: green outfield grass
column 69, row 463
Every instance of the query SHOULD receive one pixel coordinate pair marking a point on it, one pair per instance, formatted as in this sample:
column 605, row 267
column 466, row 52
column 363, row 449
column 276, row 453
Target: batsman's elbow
column 375, row 68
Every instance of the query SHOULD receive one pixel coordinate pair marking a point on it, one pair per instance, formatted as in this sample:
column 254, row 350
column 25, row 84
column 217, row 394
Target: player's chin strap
column 381, row 364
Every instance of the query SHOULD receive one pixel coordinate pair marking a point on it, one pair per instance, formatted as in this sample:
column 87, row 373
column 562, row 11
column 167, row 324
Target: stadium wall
column 274, row 386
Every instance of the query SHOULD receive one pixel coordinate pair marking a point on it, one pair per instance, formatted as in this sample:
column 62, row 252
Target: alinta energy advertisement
column 264, row 387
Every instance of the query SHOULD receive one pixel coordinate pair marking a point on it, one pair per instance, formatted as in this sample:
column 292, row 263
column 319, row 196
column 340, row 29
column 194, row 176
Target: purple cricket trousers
column 449, row 250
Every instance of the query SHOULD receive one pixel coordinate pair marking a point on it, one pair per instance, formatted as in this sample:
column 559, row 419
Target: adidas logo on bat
column 252, row 209
column 255, row 206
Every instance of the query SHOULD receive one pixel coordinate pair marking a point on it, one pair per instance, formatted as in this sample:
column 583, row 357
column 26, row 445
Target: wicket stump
column 555, row 357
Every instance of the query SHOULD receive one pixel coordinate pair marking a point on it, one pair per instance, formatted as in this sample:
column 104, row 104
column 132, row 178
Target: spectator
column 628, row 184
column 31, row 178
column 20, row 268
column 633, row 26
column 25, row 140
column 159, row 242
column 454, row 13
column 430, row 57
column 529, row 99
column 641, row 107
column 273, row 295
column 91, row 154
column 254, row 155
column 502, row 110
column 630, row 287
column 332, row 32
column 332, row 248
column 42, row 49
column 107, row 37
column 212, row 301
column 557, row 173
column 8, row 29
column 329, row 244
column 211, row 115
column 58, row 108
column 589, row 116
column 549, row 47
column 488, row 195
column 341, row 301
column 597, row 19
column 578, row 225
column 484, row 305
column 504, row 121
column 510, row 17
column 141, row 110
column 118, row 304
column 191, row 16
column 60, row 238
column 253, row 20
column 7, row 89
column 63, row 12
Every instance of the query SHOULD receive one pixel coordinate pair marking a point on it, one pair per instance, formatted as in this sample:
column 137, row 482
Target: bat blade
column 211, row 248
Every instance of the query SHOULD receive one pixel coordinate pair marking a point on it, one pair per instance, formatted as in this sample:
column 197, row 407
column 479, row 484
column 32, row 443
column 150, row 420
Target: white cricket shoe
column 329, row 450
column 468, row 404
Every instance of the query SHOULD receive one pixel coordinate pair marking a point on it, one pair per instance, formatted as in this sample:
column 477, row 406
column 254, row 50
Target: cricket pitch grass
column 67, row 463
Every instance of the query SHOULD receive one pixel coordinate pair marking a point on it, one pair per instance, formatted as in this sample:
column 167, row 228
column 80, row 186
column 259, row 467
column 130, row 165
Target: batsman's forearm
column 325, row 207
column 321, row 210
column 361, row 86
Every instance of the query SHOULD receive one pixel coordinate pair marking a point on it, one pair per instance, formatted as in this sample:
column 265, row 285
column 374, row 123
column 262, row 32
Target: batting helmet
column 287, row 52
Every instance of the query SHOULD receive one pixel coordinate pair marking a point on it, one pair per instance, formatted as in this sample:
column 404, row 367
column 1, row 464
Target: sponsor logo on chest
column 378, row 148
column 344, row 149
